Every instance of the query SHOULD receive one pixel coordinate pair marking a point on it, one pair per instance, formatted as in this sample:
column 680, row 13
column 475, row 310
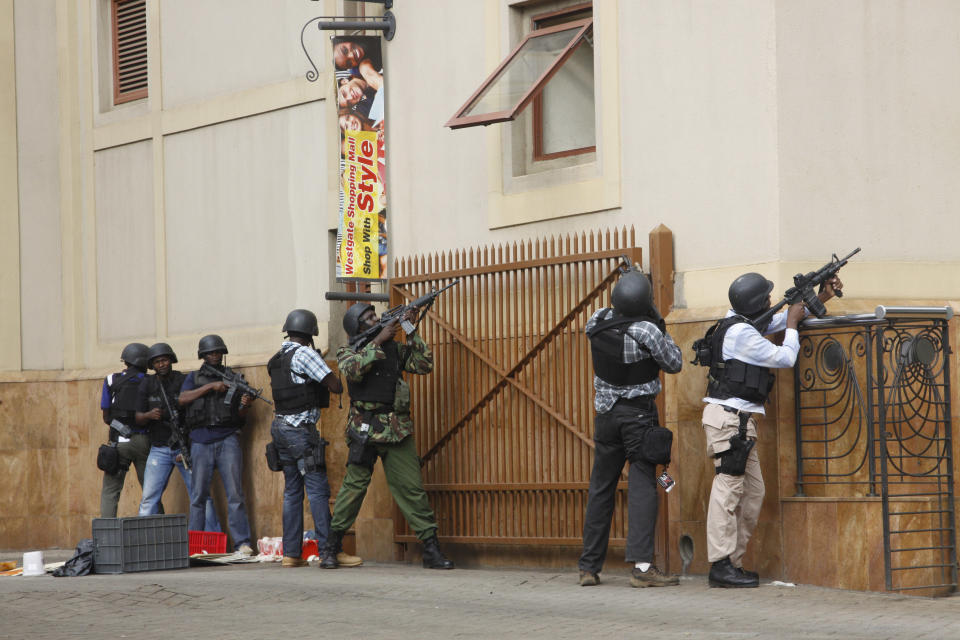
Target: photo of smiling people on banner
column 362, row 233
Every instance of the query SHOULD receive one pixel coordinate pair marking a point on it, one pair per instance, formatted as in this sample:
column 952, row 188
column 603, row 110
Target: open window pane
column 567, row 106
column 522, row 75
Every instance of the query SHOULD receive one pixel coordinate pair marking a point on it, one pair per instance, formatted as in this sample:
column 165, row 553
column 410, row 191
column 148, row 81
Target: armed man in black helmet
column 157, row 397
column 302, row 383
column 379, row 426
column 118, row 400
column 739, row 383
column 630, row 347
column 215, row 443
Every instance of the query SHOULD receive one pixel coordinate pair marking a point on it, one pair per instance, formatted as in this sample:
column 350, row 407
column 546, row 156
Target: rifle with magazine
column 178, row 431
column 398, row 313
column 235, row 382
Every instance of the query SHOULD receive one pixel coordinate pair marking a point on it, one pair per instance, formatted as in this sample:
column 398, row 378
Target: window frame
column 121, row 97
column 537, row 127
column 458, row 120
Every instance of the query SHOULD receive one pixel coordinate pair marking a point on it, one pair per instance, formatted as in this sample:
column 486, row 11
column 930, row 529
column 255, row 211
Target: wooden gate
column 504, row 424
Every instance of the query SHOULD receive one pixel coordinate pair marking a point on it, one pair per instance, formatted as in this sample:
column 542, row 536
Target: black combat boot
column 753, row 575
column 725, row 575
column 433, row 558
column 328, row 557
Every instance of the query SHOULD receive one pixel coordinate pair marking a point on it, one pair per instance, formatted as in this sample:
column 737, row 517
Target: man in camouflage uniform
column 379, row 426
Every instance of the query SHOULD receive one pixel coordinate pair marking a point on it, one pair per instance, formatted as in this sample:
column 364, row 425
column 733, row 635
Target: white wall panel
column 126, row 269
column 869, row 128
column 212, row 47
column 245, row 220
column 38, row 128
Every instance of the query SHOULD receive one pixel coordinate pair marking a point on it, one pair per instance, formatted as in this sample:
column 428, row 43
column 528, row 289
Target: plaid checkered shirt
column 641, row 340
column 306, row 363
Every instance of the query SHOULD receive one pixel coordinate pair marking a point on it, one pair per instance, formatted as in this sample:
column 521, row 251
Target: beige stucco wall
column 38, row 145
column 9, row 200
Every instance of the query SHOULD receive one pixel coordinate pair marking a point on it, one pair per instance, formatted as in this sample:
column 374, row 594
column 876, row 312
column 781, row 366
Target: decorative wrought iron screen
column 873, row 418
column 504, row 423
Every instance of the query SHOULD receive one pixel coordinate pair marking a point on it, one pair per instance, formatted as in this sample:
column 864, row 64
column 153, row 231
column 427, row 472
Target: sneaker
column 588, row 579
column 290, row 561
column 344, row 559
column 245, row 550
column 652, row 577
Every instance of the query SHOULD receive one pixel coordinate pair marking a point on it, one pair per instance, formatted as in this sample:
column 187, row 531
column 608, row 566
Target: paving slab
column 406, row 601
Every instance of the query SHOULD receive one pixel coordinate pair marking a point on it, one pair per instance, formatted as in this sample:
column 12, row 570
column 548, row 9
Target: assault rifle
column 398, row 312
column 178, row 434
column 235, row 382
column 802, row 290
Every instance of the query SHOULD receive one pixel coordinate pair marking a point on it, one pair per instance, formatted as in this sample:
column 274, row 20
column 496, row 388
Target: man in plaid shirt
column 630, row 347
column 302, row 383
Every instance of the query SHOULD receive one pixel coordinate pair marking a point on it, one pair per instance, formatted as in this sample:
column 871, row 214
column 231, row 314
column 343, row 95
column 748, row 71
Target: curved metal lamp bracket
column 334, row 23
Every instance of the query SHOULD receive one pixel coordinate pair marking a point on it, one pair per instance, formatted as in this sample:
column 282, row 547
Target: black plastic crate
column 147, row 543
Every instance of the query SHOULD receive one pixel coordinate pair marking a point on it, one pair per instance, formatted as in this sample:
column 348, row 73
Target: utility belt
column 733, row 461
column 643, row 403
column 311, row 458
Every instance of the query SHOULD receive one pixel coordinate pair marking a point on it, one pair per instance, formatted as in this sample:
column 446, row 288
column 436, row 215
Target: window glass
column 537, row 55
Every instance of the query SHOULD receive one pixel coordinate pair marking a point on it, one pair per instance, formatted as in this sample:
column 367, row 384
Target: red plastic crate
column 209, row 541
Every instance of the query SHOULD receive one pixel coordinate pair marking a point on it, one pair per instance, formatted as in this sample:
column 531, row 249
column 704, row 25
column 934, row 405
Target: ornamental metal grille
column 873, row 419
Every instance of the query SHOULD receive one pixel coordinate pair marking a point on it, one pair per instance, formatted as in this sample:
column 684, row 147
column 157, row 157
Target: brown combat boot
column 588, row 579
column 652, row 577
column 291, row 562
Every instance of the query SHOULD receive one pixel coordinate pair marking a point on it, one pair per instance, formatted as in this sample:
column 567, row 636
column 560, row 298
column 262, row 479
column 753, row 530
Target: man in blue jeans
column 215, row 444
column 158, row 395
column 301, row 383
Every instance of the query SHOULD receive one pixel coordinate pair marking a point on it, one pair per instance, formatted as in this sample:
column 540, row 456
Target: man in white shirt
column 740, row 381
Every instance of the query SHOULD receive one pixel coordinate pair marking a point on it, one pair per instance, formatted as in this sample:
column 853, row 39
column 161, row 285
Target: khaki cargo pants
column 735, row 501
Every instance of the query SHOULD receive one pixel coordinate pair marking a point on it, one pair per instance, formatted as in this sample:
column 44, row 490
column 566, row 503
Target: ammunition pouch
column 733, row 461
column 657, row 443
column 273, row 457
column 108, row 458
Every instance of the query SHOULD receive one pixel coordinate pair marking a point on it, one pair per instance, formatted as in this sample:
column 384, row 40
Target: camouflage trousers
column 401, row 466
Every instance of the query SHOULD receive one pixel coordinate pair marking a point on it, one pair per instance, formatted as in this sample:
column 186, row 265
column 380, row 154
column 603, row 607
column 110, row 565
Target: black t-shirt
column 149, row 396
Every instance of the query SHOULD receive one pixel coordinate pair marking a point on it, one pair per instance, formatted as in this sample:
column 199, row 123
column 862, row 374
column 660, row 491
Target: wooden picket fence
column 504, row 424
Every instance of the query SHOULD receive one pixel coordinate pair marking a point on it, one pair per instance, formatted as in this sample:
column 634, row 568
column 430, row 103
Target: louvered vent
column 129, row 50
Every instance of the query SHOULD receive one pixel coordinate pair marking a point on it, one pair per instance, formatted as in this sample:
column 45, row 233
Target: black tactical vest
column 123, row 389
column 209, row 410
column 291, row 397
column 734, row 378
column 380, row 382
column 160, row 429
column 606, row 347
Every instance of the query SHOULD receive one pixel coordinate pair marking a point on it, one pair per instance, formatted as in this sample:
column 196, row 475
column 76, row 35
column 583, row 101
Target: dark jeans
column 617, row 436
column 291, row 443
column 227, row 456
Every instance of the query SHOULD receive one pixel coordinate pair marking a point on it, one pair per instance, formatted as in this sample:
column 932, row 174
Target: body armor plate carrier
column 210, row 410
column 606, row 347
column 734, row 378
column 123, row 389
column 380, row 382
column 292, row 397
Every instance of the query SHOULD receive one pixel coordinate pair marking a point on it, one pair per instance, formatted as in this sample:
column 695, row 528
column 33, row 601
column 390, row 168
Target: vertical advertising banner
column 362, row 232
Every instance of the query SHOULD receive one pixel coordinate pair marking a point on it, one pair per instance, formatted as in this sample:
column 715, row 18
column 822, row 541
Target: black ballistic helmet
column 160, row 349
column 135, row 354
column 632, row 295
column 351, row 319
column 748, row 294
column 301, row 321
column 209, row 343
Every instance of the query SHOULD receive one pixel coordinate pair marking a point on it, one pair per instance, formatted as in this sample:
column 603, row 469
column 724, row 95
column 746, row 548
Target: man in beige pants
column 740, row 381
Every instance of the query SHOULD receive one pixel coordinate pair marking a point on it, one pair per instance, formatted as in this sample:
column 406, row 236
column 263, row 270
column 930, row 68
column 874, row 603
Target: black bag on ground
column 108, row 458
column 80, row 564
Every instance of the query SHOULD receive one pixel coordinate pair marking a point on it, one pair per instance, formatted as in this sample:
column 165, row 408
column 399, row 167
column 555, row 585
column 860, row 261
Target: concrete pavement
column 405, row 601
